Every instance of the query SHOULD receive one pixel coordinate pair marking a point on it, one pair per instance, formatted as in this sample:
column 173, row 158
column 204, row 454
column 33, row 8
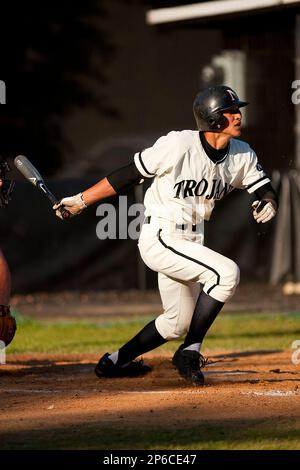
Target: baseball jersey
column 187, row 182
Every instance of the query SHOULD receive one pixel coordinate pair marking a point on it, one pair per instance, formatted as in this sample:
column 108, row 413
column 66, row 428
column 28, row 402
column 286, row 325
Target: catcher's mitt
column 8, row 325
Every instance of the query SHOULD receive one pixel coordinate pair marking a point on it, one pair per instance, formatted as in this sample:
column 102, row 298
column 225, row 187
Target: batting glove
column 263, row 211
column 73, row 204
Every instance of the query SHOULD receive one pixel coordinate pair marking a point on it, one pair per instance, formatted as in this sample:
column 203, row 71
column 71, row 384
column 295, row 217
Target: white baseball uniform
column 182, row 195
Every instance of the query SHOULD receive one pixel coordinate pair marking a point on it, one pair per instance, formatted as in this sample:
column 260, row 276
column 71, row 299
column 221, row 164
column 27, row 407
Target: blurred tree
column 53, row 59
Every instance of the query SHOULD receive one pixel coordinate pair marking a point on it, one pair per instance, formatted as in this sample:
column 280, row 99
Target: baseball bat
column 33, row 176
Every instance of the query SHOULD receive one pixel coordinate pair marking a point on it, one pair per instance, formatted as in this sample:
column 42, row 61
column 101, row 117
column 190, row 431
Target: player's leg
column 187, row 358
column 145, row 340
column 178, row 300
column 206, row 310
column 186, row 260
column 121, row 362
column 186, row 309
column 180, row 260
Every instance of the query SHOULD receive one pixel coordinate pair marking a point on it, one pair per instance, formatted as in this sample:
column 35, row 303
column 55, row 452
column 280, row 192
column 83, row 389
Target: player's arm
column 151, row 162
column 256, row 181
column 266, row 205
column 118, row 181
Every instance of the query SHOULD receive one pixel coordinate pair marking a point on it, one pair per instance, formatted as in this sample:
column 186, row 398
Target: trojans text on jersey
column 216, row 190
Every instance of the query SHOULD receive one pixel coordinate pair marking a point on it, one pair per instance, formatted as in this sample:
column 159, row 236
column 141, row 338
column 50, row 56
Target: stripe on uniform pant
column 192, row 259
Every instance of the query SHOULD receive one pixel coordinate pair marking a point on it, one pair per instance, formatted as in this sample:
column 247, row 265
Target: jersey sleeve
column 158, row 159
column 253, row 174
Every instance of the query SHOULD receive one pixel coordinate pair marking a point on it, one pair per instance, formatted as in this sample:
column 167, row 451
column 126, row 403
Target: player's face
column 234, row 118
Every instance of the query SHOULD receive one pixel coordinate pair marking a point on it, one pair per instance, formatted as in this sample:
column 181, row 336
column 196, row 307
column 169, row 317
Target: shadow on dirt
column 238, row 354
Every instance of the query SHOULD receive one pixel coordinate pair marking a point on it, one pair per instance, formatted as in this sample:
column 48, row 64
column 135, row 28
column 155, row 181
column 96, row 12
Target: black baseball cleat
column 106, row 368
column 189, row 364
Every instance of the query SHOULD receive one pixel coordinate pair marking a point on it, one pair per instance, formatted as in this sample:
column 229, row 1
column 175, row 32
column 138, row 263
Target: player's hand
column 74, row 204
column 263, row 211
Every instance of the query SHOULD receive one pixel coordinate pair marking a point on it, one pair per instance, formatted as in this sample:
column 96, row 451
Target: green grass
column 243, row 332
column 233, row 434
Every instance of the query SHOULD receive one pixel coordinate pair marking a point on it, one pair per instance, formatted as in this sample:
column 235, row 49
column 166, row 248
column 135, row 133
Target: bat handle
column 65, row 213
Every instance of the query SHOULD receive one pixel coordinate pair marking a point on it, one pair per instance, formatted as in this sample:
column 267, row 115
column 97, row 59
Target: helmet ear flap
column 218, row 122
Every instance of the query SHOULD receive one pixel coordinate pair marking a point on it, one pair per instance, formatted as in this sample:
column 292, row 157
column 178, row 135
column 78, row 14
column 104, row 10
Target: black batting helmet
column 211, row 103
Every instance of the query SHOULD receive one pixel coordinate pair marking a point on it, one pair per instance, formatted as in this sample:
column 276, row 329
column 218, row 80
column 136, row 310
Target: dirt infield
column 57, row 401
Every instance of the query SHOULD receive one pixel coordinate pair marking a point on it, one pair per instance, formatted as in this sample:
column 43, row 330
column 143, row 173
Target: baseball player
column 190, row 169
column 7, row 321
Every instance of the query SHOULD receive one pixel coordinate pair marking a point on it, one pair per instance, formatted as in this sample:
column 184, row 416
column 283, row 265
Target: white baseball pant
column 183, row 265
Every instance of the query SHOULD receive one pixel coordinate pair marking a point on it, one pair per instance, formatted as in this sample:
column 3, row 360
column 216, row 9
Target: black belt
column 177, row 226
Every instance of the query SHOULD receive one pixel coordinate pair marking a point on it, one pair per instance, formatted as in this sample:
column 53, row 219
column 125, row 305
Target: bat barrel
column 33, row 176
column 27, row 169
